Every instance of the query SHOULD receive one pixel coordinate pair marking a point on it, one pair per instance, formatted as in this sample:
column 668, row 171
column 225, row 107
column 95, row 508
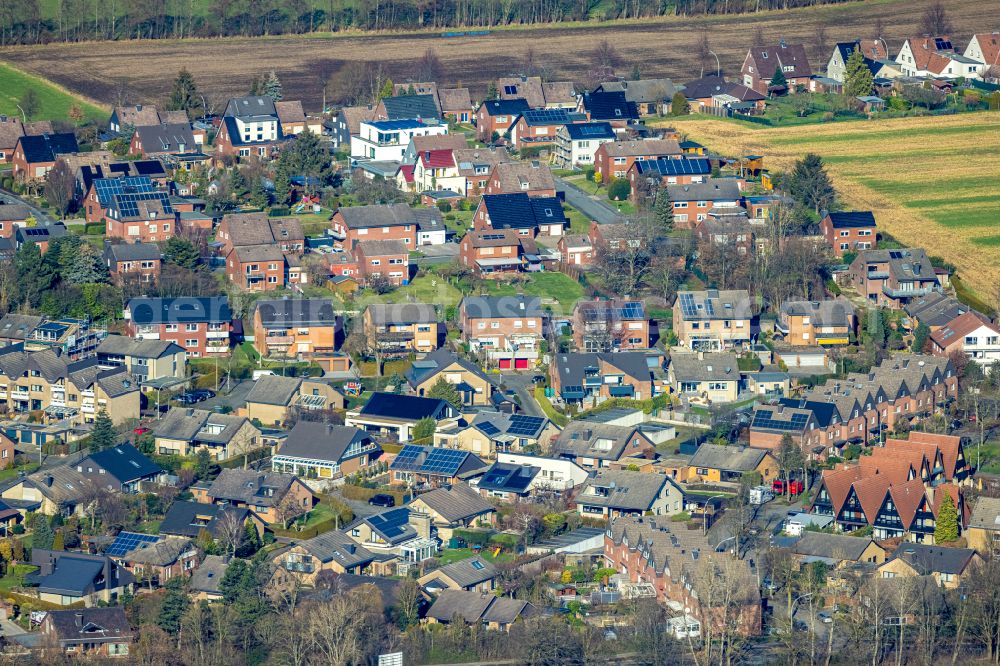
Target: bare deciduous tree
column 935, row 21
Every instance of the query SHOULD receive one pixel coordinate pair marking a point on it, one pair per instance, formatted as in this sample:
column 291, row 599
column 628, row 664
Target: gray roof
column 713, row 189
column 18, row 326
column 572, row 366
column 161, row 553
column 251, row 487
column 274, row 390
column 198, row 425
column 716, row 304
column 402, row 313
column 927, row 560
column 470, row 572
column 132, row 252
column 173, row 138
column 936, row 309
column 208, row 575
column 435, row 362
column 643, row 90
column 320, row 441
column 630, row 491
column 460, row 502
column 831, row 312
column 251, row 107
column 282, row 312
column 497, row 307
column 381, row 248
column 986, row 514
column 905, row 264
column 712, row 366
column 594, row 440
column 14, row 212
column 474, row 606
column 337, row 546
column 729, row 458
column 61, row 484
column 833, row 546
column 120, row 345
column 389, row 215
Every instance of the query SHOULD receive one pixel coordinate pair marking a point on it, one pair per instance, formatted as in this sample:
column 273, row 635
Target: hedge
column 474, row 537
column 33, row 603
column 359, row 494
column 309, row 532
column 95, row 228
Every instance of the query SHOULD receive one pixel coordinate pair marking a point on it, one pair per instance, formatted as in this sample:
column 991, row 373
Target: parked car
column 141, row 430
column 383, row 500
column 194, row 397
column 825, row 617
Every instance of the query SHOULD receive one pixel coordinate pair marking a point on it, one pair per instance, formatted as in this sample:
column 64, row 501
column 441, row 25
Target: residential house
column 455, row 104
column 507, row 330
column 296, row 327
column 318, row 450
column 935, row 310
column 472, row 575
column 712, row 463
column 670, row 561
column 386, row 140
column 713, row 94
column 433, row 467
column 495, row 117
column 422, row 106
column 389, row 259
column 388, row 222
column 437, row 170
column 34, row 155
column 100, row 193
column 143, row 115
column 892, row 278
column 576, row 143
column 695, row 201
column 159, row 141
column 613, row 159
column 662, row 171
column 250, row 126
column 242, row 229
column 985, row 48
column 7, row 453
column 849, row 231
column 837, row 550
column 610, row 107
column 185, row 431
column 488, row 433
column 256, row 267
column 983, row 532
column 537, row 94
column 75, row 339
column 269, row 495
column 396, row 534
column 516, row 475
column 193, row 519
column 293, row 119
column 826, row 323
column 707, row 378
column 40, row 235
column 651, row 97
column 12, row 128
column 594, row 445
column 612, row 493
column 133, row 262
column 531, row 178
column 454, row 508
column 935, row 57
column 121, row 469
column 205, row 579
column 145, row 360
column 498, row 254
column 473, row 385
column 576, row 250
column 391, row 415
column 712, row 319
column 88, row 632
column 872, row 51
column 330, row 551
column 200, row 325
column 727, row 227
column 402, row 327
column 762, row 63
column 475, row 165
column 274, row 399
column 141, row 217
column 348, row 123
column 972, row 334
column 537, row 128
column 153, row 560
column 613, row 236
column 613, row 325
column 590, row 378
column 55, row 491
column 527, row 215
column 12, row 216
column 946, row 566
column 478, row 608
column 65, row 578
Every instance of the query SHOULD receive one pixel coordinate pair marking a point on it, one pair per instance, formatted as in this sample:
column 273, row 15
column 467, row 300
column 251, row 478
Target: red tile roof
column 437, row 159
column 929, row 443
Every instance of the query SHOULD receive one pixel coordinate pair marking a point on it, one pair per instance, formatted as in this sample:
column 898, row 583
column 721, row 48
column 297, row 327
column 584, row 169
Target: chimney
column 78, row 618
column 260, row 480
column 421, row 522
column 49, row 480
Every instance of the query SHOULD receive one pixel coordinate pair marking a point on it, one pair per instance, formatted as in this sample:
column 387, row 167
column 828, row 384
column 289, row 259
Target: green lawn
column 53, row 102
column 458, row 554
column 549, row 286
column 550, row 411
column 429, row 288
column 578, row 222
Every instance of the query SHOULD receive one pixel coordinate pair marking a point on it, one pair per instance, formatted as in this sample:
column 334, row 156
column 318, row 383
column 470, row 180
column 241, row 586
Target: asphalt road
column 525, row 390
column 592, row 207
column 43, row 218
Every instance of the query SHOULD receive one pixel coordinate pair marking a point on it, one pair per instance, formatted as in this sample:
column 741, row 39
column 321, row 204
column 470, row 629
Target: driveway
column 593, row 207
column 235, row 398
column 524, row 388
column 437, row 254
column 43, row 218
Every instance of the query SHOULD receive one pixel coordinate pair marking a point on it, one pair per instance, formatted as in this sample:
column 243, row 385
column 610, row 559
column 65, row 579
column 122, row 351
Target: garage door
column 521, row 363
column 505, row 364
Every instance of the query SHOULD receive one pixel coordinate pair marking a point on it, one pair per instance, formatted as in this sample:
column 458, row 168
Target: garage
column 520, row 364
column 504, row 363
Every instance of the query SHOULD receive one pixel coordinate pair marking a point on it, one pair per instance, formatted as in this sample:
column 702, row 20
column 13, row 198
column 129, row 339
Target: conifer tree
column 858, row 79
column 946, row 527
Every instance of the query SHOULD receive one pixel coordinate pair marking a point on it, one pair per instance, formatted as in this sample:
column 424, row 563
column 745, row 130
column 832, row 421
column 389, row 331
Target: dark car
column 196, row 396
column 382, row 500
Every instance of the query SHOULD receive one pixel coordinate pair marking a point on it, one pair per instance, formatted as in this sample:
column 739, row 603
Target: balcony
column 274, row 340
column 299, row 567
column 908, row 293
column 877, row 275
column 216, row 349
column 19, row 395
column 215, row 335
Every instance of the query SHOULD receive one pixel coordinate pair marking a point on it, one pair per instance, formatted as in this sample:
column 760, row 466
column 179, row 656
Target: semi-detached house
column 507, row 330
column 201, row 325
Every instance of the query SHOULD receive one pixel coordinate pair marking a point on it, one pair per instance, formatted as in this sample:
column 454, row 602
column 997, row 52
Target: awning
column 498, row 262
column 572, row 395
column 622, row 391
column 832, row 341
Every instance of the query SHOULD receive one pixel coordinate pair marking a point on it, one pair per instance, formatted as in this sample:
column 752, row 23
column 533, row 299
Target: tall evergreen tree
column 272, row 87
column 778, row 80
column 445, row 390
column 103, row 436
column 920, row 335
column 87, row 268
column 876, row 328
column 858, row 79
column 663, row 208
column 810, row 184
column 679, row 105
column 946, row 526
column 184, row 94
column 42, row 536
column 181, row 252
column 174, row 605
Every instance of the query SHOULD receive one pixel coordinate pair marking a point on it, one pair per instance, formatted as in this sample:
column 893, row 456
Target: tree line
column 34, row 21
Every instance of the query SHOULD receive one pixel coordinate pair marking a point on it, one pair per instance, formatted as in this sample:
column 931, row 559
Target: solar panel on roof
column 631, row 310
column 126, row 542
column 524, row 425
column 107, row 188
column 488, row 428
column 687, row 305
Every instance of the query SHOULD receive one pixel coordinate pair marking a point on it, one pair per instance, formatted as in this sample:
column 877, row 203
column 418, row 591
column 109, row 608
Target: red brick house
column 693, row 202
column 12, row 216
column 762, row 62
column 892, row 278
column 12, row 129
column 388, row 258
column 250, row 126
column 526, row 215
column 238, row 229
column 35, row 155
column 532, row 178
column 497, row 254
column 497, row 116
column 138, row 261
column 161, row 140
column 100, row 195
column 615, row 158
column 144, row 217
column 201, row 326
column 849, row 231
column 385, row 222
column 256, row 267
column 576, row 250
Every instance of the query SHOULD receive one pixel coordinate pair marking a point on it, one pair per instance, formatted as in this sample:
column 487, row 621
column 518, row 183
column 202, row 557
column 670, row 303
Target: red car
column 141, row 430
column 794, row 487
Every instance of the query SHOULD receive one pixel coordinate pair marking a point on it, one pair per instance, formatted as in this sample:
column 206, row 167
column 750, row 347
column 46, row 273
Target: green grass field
column 549, row 286
column 54, row 103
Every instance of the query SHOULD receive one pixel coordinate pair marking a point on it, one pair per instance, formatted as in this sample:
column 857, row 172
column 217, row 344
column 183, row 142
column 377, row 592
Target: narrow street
column 590, row 206
column 44, row 219
column 524, row 389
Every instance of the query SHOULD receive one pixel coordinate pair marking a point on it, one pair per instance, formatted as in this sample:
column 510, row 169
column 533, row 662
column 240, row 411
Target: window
column 170, row 328
column 191, row 342
column 191, row 328
column 494, row 324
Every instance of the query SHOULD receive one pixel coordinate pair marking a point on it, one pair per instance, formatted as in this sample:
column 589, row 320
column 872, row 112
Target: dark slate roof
column 251, row 106
column 251, row 487
column 459, row 502
column 121, row 345
column 393, row 525
column 409, row 407
column 590, row 131
column 17, row 326
column 167, row 138
column 389, row 215
column 729, row 458
column 132, row 252
column 708, row 86
column 208, row 575
column 337, row 546
column 439, row 359
column 435, row 461
column 180, row 518
column 40, row 234
column 519, row 211
column 90, row 625
column 46, row 147
column 282, row 312
column 320, row 441
column 182, row 309
column 236, row 138
column 927, row 560
column 411, row 106
column 470, row 572
column 610, row 106
column 572, row 366
column 836, row 546
column 713, row 189
column 124, row 462
column 848, row 220
column 822, row 411
column 508, row 478
column 274, row 390
column 402, row 313
column 668, row 166
column 506, row 107
column 498, row 307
